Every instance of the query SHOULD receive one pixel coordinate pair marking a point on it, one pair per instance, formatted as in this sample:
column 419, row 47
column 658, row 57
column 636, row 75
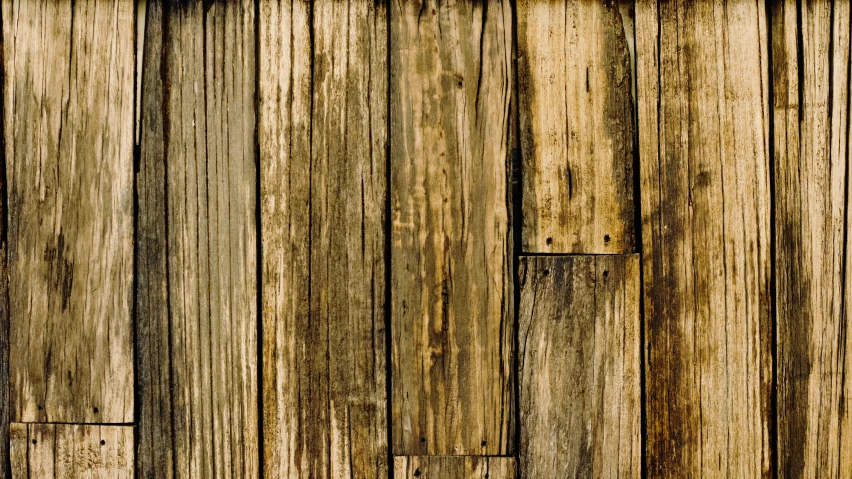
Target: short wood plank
column 579, row 367
column 451, row 263
column 197, row 191
column 577, row 127
column 455, row 467
column 47, row 451
column 702, row 70
column 323, row 154
column 68, row 126
column 810, row 80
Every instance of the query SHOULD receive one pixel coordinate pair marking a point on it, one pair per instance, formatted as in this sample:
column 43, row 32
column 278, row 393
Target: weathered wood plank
column 579, row 367
column 451, row 263
column 46, row 451
column 198, row 280
column 703, row 123
column 68, row 125
column 576, row 112
column 5, row 412
column 810, row 68
column 456, row 467
column 323, row 151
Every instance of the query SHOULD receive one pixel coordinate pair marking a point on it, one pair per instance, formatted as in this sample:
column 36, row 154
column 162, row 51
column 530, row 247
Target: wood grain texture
column 323, row 153
column 579, row 366
column 455, row 467
column 68, row 125
column 47, row 451
column 198, row 232
column 451, row 259
column 576, row 113
column 703, row 133
column 5, row 412
column 810, row 80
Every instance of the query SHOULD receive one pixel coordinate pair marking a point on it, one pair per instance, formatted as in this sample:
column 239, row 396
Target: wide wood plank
column 455, row 467
column 198, row 232
column 576, row 112
column 323, row 153
column 48, row 451
column 703, row 133
column 451, row 259
column 579, row 367
column 68, row 126
column 810, row 80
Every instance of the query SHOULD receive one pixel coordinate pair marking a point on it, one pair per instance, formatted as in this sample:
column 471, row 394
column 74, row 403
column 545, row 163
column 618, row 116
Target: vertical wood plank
column 47, row 451
column 703, row 122
column 810, row 68
column 451, row 262
column 580, row 397
column 456, row 467
column 323, row 148
column 197, row 190
column 576, row 127
column 68, row 125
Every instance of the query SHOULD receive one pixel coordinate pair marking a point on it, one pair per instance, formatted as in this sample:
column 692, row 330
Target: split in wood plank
column 454, row 467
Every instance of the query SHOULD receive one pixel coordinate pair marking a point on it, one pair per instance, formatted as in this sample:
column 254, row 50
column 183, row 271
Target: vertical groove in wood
column 323, row 146
column 455, row 467
column 68, row 125
column 452, row 316
column 703, row 123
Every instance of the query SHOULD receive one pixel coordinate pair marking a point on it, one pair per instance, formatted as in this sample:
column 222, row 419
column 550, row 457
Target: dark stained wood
column 68, row 126
column 579, row 367
column 576, row 127
column 323, row 153
column 198, row 233
column 810, row 80
column 703, row 134
column 451, row 260
column 5, row 412
column 455, row 467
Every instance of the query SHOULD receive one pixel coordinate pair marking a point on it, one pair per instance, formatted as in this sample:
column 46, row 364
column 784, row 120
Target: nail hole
column 606, row 273
column 460, row 83
column 40, row 408
column 96, row 410
column 484, row 443
column 422, row 439
column 103, row 442
column 606, row 238
column 34, row 441
column 486, row 475
column 417, row 472
column 546, row 272
column 549, row 241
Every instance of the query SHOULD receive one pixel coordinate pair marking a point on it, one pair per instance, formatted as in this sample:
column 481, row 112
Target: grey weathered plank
column 198, row 232
column 452, row 287
column 68, row 126
column 810, row 71
column 455, row 467
column 576, row 112
column 323, row 150
column 702, row 70
column 579, row 367
column 47, row 451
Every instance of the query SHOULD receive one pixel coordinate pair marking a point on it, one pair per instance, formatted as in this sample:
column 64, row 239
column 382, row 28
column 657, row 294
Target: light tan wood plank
column 576, row 111
column 451, row 258
column 456, row 467
column 579, row 367
column 68, row 125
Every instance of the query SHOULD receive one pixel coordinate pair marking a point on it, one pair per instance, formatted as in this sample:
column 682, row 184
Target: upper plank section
column 576, row 111
column 455, row 467
column 451, row 259
column 703, row 133
column 68, row 125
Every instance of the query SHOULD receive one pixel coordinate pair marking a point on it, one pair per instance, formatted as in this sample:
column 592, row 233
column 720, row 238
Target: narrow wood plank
column 456, row 467
column 451, row 263
column 68, row 125
column 810, row 68
column 46, row 451
column 703, row 122
column 576, row 112
column 197, row 191
column 579, row 367
column 323, row 151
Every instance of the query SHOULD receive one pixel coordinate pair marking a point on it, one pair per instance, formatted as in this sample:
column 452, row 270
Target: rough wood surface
column 323, row 153
column 5, row 412
column 68, row 126
column 198, row 232
column 576, row 112
column 810, row 70
column 47, row 451
column 451, row 262
column 703, row 136
column 579, row 367
column 455, row 467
